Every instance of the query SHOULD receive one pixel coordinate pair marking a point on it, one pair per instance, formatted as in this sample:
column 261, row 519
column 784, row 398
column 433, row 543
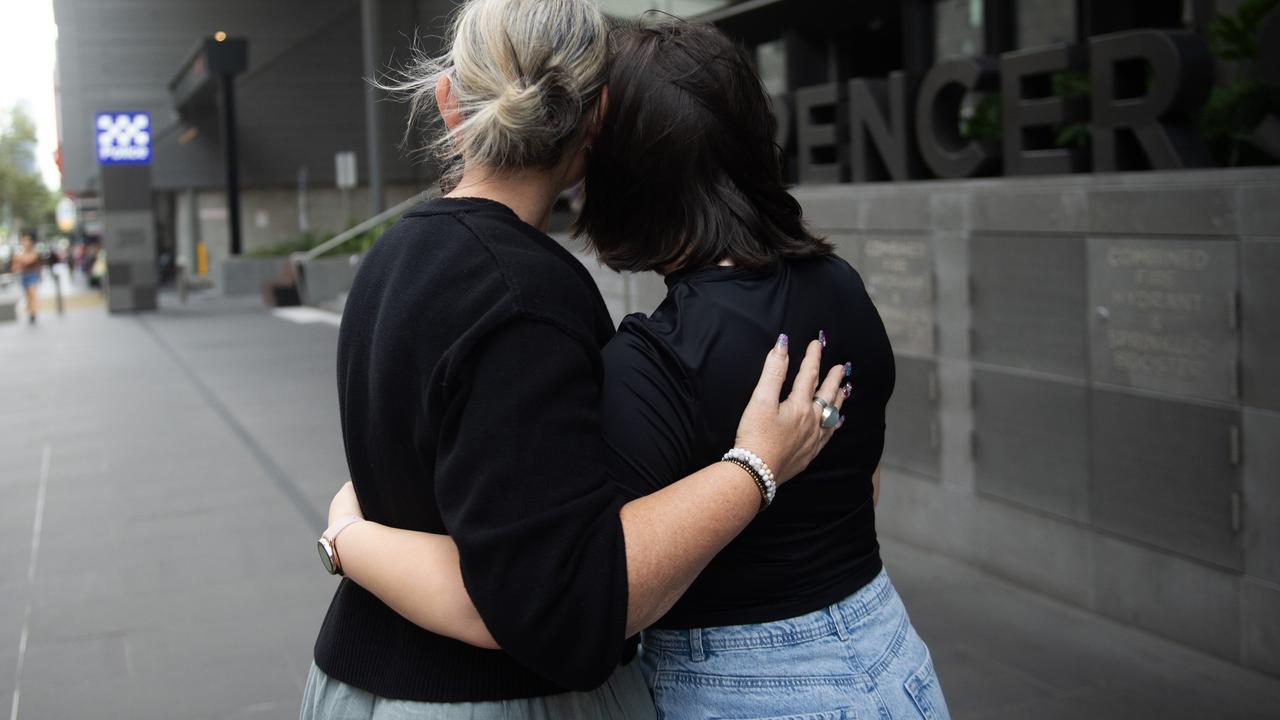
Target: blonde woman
column 469, row 376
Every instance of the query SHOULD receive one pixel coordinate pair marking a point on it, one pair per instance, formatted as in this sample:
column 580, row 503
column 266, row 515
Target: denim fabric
column 856, row 660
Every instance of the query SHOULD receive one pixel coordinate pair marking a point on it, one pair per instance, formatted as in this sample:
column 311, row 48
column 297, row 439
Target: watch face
column 326, row 556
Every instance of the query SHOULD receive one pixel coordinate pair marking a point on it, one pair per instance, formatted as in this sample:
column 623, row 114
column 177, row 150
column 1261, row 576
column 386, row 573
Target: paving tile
column 1089, row 666
column 975, row 686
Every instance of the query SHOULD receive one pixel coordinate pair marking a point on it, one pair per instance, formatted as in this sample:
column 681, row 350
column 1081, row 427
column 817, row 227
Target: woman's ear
column 447, row 102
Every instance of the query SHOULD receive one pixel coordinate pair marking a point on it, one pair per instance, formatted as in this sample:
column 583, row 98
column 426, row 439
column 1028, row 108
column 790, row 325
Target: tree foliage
column 1235, row 37
column 1235, row 110
column 22, row 190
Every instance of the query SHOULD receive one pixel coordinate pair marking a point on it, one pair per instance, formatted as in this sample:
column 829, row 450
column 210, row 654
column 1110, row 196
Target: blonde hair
column 524, row 75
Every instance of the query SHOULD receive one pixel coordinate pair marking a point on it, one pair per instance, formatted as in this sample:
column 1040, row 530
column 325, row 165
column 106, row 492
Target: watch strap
column 331, row 535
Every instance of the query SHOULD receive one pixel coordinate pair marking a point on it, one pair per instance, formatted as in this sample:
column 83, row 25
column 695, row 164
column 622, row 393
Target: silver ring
column 820, row 402
column 830, row 417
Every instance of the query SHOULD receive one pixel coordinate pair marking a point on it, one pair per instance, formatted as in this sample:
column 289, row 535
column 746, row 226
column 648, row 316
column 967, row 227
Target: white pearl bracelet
column 759, row 470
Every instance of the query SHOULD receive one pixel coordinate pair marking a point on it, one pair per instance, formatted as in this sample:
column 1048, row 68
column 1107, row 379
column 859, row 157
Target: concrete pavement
column 155, row 558
column 162, row 478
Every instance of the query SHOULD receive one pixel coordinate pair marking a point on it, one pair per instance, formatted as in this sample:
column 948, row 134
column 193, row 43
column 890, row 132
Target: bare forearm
column 416, row 574
column 672, row 534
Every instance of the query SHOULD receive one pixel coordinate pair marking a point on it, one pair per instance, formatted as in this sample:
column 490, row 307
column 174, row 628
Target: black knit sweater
column 469, row 380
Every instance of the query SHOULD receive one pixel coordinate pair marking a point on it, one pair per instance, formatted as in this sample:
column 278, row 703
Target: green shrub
column 304, row 242
column 1232, row 115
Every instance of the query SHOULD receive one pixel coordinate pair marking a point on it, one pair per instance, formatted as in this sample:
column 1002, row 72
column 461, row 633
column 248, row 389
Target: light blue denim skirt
column 856, row 660
column 622, row 697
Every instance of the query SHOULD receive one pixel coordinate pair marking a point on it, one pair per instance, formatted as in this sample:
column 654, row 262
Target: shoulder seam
column 502, row 268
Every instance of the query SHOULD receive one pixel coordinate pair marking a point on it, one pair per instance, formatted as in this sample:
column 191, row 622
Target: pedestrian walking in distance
column 26, row 262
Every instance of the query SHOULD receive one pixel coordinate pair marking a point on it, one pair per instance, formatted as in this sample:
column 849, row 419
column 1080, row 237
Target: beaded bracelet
column 758, row 470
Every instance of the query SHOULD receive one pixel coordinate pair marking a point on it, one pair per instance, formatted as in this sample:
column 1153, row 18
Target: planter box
column 327, row 279
column 246, row 275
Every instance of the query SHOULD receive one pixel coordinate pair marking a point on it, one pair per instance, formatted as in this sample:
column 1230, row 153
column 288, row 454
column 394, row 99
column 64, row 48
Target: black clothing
column 469, row 382
column 675, row 386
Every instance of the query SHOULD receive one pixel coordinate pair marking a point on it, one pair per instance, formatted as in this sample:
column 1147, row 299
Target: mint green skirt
column 625, row 696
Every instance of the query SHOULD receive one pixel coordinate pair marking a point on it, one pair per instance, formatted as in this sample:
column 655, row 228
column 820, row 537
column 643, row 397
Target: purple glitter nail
column 848, row 369
column 822, row 338
column 847, row 390
column 783, row 340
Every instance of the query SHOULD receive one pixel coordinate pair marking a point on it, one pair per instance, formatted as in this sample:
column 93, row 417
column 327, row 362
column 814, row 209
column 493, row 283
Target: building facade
column 300, row 102
column 1036, row 194
column 1081, row 295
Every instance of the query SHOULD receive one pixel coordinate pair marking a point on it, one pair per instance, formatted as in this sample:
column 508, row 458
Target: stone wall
column 1088, row 398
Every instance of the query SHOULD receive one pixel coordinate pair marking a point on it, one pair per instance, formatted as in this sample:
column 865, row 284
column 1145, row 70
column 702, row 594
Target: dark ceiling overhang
column 195, row 86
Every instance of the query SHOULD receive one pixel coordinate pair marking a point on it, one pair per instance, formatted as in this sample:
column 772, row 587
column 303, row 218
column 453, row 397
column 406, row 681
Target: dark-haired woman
column 795, row 618
column 469, row 386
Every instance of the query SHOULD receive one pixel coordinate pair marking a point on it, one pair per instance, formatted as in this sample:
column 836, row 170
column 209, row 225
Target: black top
column 469, row 378
column 676, row 384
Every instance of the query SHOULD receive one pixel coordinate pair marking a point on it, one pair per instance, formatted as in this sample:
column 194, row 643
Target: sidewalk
column 1004, row 653
column 162, row 478
column 54, row 281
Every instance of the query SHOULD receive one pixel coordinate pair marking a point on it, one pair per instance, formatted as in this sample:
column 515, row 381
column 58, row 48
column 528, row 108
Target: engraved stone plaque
column 1028, row 300
column 1165, row 473
column 1163, row 315
column 848, row 245
column 912, row 438
column 1031, row 441
column 898, row 272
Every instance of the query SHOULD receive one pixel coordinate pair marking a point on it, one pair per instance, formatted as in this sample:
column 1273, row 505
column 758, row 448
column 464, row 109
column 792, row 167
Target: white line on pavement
column 308, row 315
column 36, row 527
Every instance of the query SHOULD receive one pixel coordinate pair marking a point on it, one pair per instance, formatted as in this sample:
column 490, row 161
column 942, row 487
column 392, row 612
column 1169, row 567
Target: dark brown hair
column 685, row 172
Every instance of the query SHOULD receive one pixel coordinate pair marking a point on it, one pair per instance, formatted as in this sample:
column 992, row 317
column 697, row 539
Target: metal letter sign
column 124, row 138
column 1154, row 104
column 937, row 111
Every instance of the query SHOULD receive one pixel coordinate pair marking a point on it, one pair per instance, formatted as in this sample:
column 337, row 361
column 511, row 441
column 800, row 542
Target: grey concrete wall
column 327, row 280
column 1088, row 397
column 248, row 275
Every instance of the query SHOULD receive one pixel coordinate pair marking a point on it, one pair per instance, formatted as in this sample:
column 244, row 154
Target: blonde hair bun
column 524, row 74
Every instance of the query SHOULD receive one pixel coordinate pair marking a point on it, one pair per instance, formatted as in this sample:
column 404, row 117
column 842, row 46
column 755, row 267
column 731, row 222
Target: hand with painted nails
column 788, row 435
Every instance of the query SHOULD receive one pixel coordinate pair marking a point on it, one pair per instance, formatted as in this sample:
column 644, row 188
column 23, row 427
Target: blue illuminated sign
column 124, row 138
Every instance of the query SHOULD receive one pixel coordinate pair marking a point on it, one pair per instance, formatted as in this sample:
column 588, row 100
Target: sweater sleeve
column 522, row 488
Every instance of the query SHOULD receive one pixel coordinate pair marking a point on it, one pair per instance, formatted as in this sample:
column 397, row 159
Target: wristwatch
column 327, row 544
